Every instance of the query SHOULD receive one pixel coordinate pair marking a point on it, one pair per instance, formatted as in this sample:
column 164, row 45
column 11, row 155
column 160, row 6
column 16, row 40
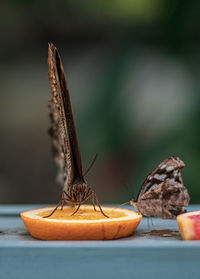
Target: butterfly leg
column 148, row 225
column 63, row 201
column 68, row 198
column 79, row 204
column 60, row 202
column 152, row 223
column 92, row 199
column 98, row 203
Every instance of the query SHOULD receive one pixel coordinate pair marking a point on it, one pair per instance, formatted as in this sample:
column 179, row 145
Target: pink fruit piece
column 196, row 219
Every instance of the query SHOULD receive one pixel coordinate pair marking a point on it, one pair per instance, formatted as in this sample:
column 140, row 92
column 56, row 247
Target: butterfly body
column 64, row 139
column 163, row 193
column 76, row 192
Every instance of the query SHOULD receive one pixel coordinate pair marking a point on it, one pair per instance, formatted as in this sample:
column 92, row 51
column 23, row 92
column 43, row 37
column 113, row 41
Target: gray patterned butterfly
column 163, row 193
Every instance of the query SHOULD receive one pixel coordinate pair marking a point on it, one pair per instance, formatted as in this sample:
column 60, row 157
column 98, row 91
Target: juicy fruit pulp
column 83, row 214
column 196, row 219
column 189, row 225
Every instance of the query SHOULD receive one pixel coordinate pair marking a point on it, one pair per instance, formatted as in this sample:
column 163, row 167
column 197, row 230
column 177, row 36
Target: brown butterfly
column 163, row 193
column 64, row 139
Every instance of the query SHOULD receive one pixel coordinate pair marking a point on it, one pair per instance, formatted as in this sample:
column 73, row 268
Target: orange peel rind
column 86, row 224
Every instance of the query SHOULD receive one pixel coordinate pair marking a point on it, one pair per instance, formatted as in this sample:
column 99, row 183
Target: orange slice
column 86, row 224
column 189, row 225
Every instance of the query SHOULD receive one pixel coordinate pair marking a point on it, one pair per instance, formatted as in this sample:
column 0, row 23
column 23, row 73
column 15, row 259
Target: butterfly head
column 77, row 193
column 80, row 188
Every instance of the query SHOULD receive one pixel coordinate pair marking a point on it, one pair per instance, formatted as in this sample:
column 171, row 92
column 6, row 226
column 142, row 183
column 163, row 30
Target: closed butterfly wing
column 163, row 193
column 64, row 138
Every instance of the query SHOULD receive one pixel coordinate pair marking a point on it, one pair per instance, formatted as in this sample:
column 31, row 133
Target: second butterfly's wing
column 64, row 138
column 167, row 200
column 163, row 193
column 174, row 199
column 169, row 169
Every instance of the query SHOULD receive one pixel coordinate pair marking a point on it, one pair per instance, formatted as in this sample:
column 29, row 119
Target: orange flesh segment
column 82, row 214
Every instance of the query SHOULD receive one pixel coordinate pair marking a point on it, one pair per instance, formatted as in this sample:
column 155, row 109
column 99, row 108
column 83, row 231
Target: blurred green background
column 133, row 70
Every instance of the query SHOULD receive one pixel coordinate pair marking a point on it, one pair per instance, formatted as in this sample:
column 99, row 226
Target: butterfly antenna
column 130, row 191
column 124, row 203
column 93, row 161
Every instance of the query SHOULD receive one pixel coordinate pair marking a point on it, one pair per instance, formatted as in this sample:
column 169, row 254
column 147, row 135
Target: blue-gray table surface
column 138, row 256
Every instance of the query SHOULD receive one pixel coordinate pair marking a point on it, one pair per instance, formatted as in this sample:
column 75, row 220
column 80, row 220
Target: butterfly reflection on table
column 163, row 193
